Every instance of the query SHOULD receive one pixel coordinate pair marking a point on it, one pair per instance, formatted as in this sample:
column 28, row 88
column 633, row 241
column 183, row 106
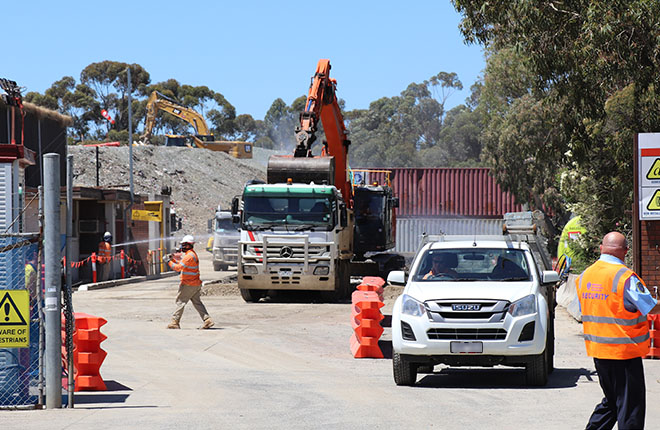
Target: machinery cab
column 374, row 218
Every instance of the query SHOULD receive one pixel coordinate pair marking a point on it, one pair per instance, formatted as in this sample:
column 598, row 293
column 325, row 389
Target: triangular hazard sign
column 9, row 313
column 654, row 203
column 654, row 171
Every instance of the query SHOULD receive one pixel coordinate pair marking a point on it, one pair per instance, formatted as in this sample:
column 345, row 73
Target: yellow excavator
column 202, row 137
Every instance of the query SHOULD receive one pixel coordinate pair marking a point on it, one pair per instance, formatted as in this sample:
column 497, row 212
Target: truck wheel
column 405, row 372
column 536, row 371
column 252, row 296
column 217, row 266
column 345, row 290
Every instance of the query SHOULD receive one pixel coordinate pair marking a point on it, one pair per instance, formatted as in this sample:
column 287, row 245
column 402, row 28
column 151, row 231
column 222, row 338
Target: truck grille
column 451, row 310
column 466, row 334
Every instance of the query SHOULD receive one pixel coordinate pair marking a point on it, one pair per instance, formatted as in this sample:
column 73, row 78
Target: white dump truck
column 225, row 241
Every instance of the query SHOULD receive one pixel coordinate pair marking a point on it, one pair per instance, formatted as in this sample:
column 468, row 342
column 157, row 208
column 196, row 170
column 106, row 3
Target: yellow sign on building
column 14, row 319
column 142, row 215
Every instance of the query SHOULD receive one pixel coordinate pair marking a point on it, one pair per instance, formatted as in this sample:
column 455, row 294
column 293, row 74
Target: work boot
column 208, row 323
column 174, row 325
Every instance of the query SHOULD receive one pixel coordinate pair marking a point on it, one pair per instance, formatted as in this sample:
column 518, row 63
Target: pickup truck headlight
column 524, row 306
column 410, row 306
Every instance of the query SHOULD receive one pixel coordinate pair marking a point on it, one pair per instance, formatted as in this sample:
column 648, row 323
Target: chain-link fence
column 21, row 336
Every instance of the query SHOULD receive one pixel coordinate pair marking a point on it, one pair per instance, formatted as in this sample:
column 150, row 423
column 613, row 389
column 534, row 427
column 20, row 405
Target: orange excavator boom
column 321, row 104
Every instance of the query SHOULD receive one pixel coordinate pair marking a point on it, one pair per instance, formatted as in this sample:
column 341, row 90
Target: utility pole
column 53, row 281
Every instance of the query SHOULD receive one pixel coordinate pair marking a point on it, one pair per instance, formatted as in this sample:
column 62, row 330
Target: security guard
column 614, row 303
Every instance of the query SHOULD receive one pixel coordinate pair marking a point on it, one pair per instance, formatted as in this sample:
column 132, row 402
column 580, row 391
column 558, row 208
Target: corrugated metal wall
column 409, row 230
column 448, row 192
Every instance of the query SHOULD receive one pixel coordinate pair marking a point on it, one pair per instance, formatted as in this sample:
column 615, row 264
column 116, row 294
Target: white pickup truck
column 487, row 301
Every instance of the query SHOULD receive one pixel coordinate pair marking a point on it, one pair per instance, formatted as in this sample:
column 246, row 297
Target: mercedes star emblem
column 286, row 252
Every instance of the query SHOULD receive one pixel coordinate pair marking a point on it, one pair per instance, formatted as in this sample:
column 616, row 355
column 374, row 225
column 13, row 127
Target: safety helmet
column 188, row 239
column 107, row 236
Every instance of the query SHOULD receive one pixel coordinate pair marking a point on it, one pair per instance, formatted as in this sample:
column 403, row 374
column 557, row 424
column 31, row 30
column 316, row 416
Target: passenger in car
column 505, row 269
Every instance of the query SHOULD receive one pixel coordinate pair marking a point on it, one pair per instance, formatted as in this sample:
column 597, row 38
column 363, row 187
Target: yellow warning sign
column 654, row 171
column 14, row 319
column 654, row 203
column 142, row 215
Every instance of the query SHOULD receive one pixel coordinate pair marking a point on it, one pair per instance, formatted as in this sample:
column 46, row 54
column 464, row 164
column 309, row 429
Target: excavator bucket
column 320, row 170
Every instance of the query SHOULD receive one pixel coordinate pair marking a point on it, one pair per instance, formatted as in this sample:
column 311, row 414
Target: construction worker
column 104, row 257
column 614, row 302
column 31, row 273
column 191, row 284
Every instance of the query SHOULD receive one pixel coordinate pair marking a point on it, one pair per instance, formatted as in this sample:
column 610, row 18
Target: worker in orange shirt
column 191, row 285
column 614, row 302
column 104, row 257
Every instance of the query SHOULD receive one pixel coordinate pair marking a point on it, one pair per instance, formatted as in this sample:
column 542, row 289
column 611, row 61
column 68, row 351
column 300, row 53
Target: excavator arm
column 158, row 102
column 321, row 104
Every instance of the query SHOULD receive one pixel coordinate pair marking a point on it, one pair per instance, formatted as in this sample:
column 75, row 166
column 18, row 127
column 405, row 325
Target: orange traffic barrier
column 373, row 283
column 654, row 334
column 87, row 353
column 366, row 318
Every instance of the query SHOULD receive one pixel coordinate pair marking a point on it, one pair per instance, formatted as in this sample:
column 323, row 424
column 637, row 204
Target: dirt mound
column 200, row 179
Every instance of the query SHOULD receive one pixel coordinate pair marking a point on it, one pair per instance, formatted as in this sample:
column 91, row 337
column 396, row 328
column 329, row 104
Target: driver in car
column 441, row 266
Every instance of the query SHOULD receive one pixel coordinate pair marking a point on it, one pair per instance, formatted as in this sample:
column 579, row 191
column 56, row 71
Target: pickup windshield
column 285, row 212
column 473, row 264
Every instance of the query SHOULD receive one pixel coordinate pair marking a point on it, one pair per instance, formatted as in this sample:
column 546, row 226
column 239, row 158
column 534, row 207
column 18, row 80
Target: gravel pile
column 200, row 179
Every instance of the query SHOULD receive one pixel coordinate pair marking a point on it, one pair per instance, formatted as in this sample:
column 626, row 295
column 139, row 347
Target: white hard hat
column 188, row 239
column 107, row 236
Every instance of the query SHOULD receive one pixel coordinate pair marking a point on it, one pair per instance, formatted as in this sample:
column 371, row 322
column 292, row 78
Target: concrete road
column 285, row 364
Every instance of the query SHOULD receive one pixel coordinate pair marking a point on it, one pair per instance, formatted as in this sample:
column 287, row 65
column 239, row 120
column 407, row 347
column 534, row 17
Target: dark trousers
column 622, row 382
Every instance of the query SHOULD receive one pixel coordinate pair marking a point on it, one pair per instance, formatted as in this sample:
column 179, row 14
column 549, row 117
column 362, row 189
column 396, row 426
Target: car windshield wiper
column 515, row 278
column 466, row 279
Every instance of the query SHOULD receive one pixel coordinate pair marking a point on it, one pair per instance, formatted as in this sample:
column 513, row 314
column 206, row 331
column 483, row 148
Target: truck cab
column 293, row 237
column 225, row 241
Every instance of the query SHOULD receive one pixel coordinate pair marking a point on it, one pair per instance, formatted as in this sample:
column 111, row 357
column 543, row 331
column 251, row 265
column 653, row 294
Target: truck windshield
column 296, row 211
column 473, row 264
column 225, row 224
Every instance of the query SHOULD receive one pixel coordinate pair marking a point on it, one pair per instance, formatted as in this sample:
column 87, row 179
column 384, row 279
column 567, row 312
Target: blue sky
column 250, row 51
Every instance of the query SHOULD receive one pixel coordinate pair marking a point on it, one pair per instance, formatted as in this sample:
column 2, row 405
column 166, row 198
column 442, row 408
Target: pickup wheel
column 405, row 372
column 252, row 296
column 550, row 347
column 536, row 371
column 217, row 266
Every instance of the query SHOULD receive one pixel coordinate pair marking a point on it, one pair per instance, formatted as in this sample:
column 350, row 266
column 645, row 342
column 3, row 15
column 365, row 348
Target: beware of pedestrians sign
column 14, row 319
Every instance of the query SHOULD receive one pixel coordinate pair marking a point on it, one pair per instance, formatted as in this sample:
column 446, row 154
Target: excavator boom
column 321, row 105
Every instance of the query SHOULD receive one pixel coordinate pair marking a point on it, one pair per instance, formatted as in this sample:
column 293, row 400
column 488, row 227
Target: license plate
column 466, row 347
column 286, row 273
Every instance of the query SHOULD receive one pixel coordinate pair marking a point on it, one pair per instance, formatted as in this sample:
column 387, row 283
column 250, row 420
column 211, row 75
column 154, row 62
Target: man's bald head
column 614, row 243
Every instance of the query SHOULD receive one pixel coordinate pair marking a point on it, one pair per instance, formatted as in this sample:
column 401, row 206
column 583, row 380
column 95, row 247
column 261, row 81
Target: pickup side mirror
column 397, row 277
column 395, row 202
column 549, row 277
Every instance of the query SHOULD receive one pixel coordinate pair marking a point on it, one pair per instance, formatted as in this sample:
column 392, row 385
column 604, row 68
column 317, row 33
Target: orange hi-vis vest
column 189, row 268
column 610, row 331
column 105, row 252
